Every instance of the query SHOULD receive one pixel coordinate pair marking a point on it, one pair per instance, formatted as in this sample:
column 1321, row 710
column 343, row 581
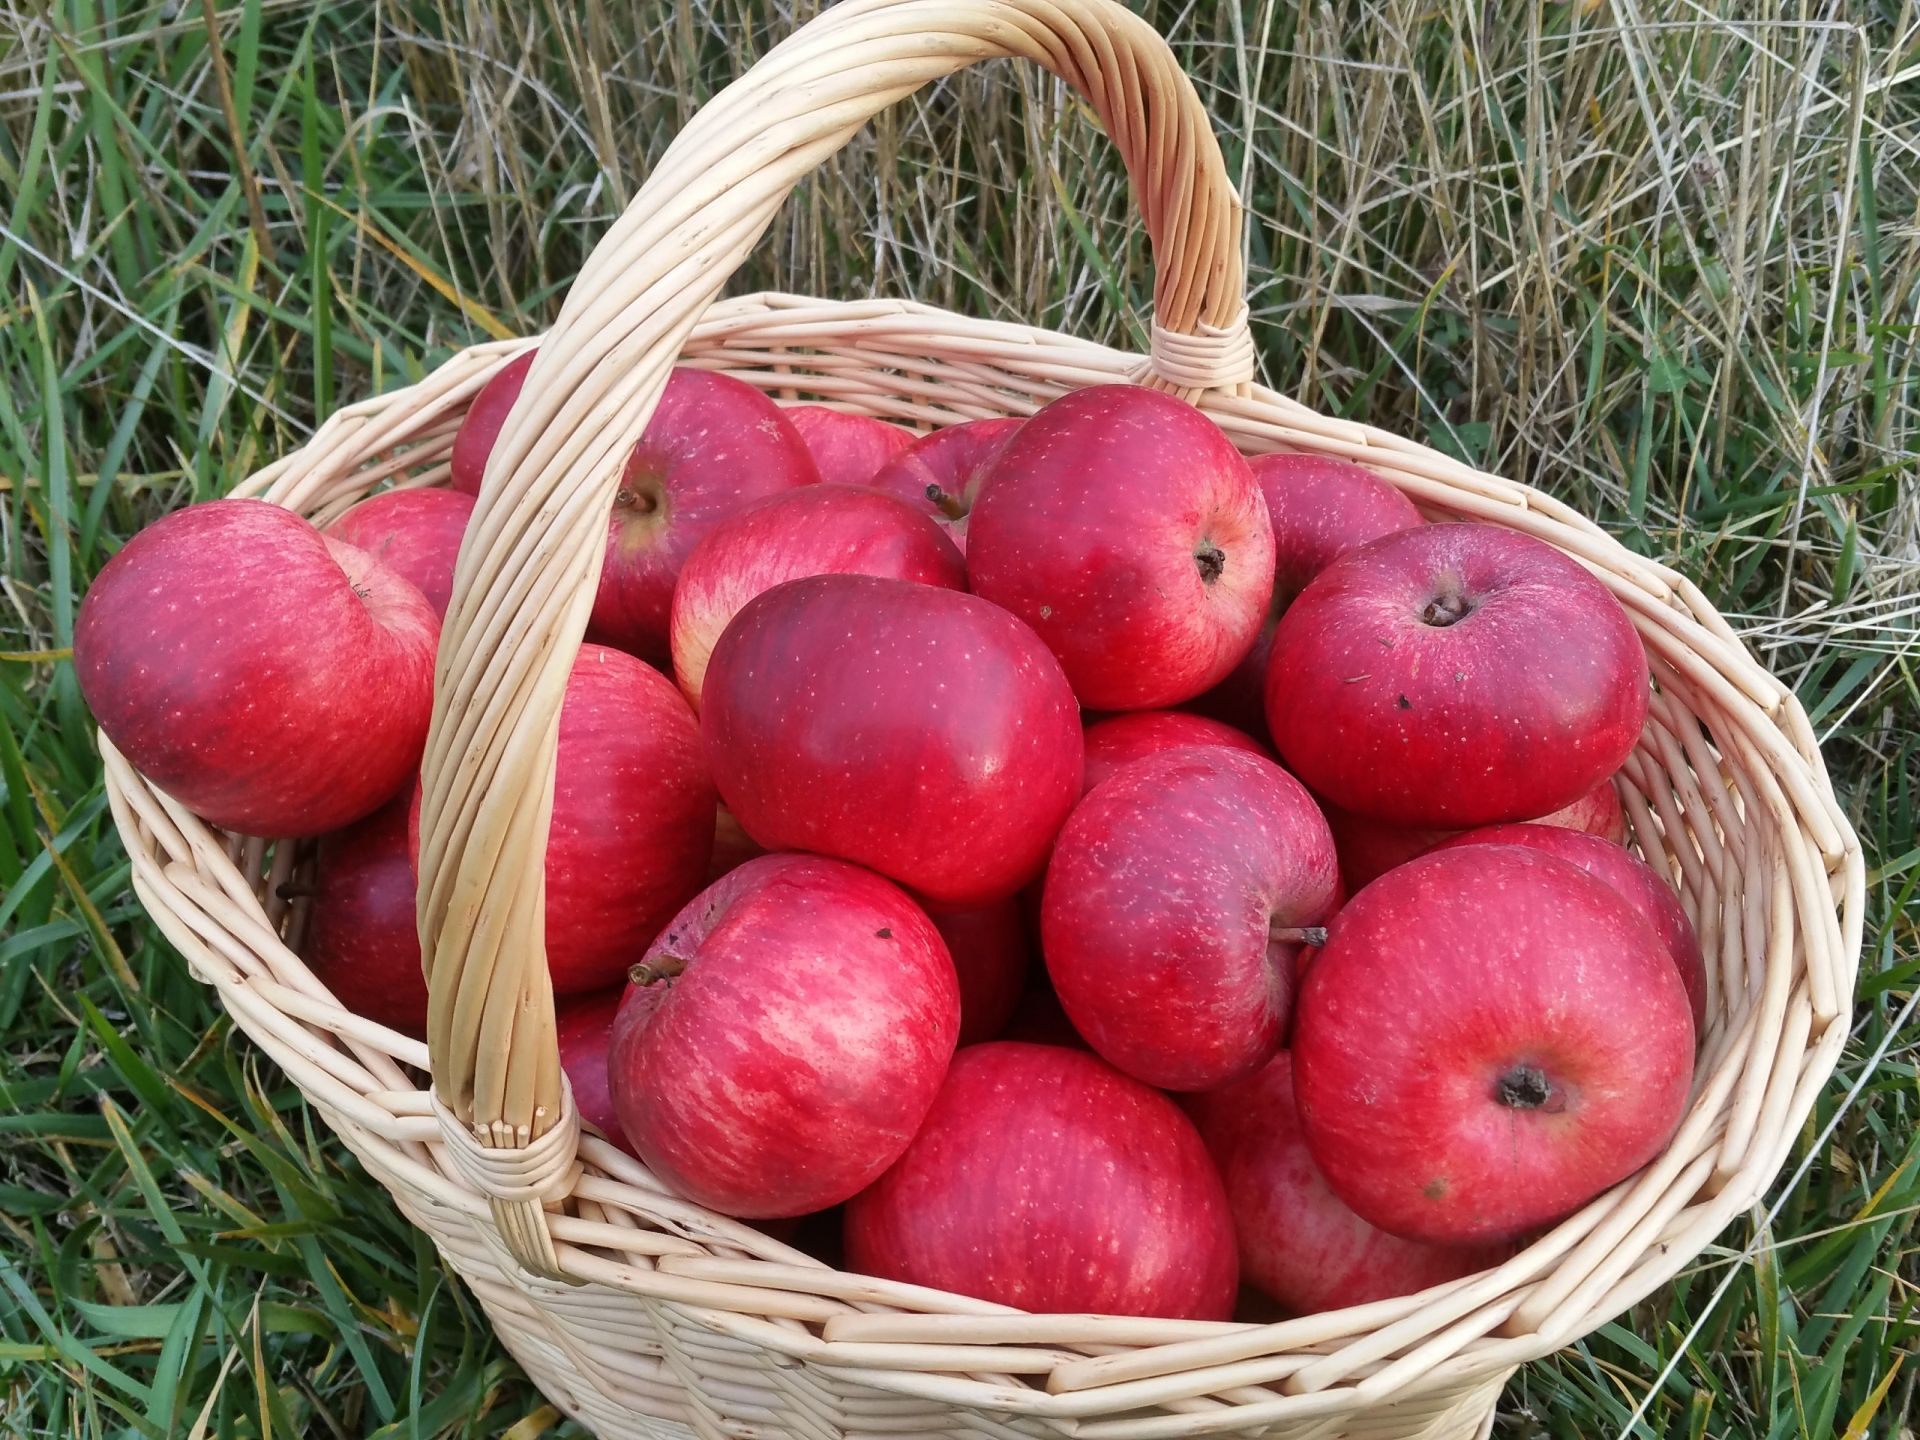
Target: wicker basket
column 646, row 1316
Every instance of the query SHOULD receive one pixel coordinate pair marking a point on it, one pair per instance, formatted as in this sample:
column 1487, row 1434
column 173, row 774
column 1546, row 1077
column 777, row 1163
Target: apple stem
column 1444, row 610
column 1525, row 1087
column 950, row 505
column 1315, row 935
column 652, row 972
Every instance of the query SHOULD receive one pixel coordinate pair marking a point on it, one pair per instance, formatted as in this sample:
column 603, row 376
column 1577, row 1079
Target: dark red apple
column 1046, row 1179
column 1490, row 1038
column 991, row 957
column 362, row 941
column 1168, row 906
column 1321, row 507
column 1631, row 876
column 271, row 679
column 473, row 442
column 1117, row 741
column 918, row 731
column 942, row 472
column 816, row 530
column 847, row 449
column 633, row 818
column 414, row 533
column 786, row 1037
column 1455, row 675
column 1125, row 528
column 714, row 445
column 1369, row 848
column 583, row 1025
column 1298, row 1240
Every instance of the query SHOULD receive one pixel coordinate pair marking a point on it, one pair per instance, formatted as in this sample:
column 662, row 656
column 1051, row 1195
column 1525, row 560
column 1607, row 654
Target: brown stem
column 952, row 506
column 1315, row 935
column 652, row 972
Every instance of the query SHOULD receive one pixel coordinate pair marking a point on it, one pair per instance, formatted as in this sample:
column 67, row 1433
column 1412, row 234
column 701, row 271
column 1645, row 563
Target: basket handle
column 531, row 558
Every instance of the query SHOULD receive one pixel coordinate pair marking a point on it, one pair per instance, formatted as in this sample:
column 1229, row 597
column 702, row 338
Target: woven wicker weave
column 646, row 1316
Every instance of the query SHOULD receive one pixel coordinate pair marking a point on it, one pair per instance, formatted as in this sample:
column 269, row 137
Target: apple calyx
column 1212, row 561
column 950, row 505
column 652, row 972
column 1525, row 1087
column 1445, row 609
column 1314, row 935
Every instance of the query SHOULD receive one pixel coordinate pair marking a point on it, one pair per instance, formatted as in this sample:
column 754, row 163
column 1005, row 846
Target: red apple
column 1368, row 848
column 1045, row 1179
column 847, row 449
column 1125, row 528
column 473, row 442
column 1455, row 675
column 362, row 941
column 918, row 731
column 633, row 818
column 414, row 533
column 714, row 445
column 1298, row 1240
column 271, row 679
column 1490, row 1038
column 583, row 1025
column 1321, row 507
column 787, row 1037
column 1166, row 909
column 817, row 530
column 942, row 472
column 1626, row 873
column 990, row 955
column 1119, row 740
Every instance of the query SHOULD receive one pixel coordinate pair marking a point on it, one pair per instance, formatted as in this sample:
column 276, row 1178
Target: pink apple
column 362, row 941
column 816, row 530
column 414, row 533
column 941, row 473
column 847, row 449
column 1626, row 873
column 271, row 679
column 1490, row 1038
column 991, row 957
column 918, row 731
column 1455, row 675
column 1298, row 1240
column 1167, row 907
column 1125, row 528
column 583, row 1024
column 1047, row 1180
column 1368, row 848
column 633, row 818
column 1321, row 507
column 1117, row 741
column 473, row 442
column 787, row 1036
column 714, row 445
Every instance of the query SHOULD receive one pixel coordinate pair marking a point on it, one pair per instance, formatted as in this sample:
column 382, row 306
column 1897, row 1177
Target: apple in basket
column 1455, row 675
column 1047, row 1180
column 1122, row 525
column 919, row 731
column 847, row 449
column 1119, row 740
column 583, row 1026
column 816, row 530
column 1489, row 1039
column 272, row 679
column 481, row 426
column 785, row 1037
column 1299, row 1242
column 992, row 958
column 941, row 473
column 362, row 940
column 1173, row 906
column 415, row 533
column 1321, row 507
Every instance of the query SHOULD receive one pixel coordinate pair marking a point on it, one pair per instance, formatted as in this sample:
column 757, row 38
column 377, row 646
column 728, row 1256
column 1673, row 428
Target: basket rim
column 200, row 886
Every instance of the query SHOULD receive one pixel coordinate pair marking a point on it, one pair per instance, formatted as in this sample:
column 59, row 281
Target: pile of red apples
column 1056, row 860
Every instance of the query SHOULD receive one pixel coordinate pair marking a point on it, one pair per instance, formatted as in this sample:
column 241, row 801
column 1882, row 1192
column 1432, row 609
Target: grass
column 1660, row 259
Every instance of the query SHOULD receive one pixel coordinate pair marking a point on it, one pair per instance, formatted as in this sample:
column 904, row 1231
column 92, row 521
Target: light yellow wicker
column 645, row 1316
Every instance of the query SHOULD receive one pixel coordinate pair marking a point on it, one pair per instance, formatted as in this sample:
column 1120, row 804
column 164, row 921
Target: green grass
column 1659, row 259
